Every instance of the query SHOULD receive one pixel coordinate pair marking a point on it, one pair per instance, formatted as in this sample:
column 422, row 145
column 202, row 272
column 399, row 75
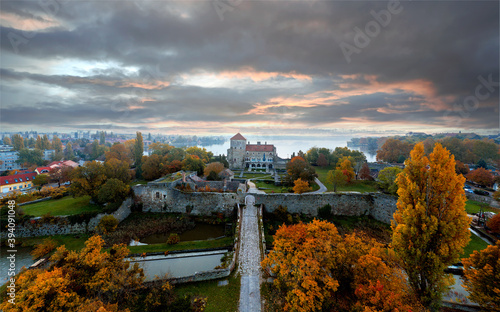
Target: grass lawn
column 220, row 298
column 60, row 207
column 476, row 243
column 354, row 186
column 253, row 175
column 472, row 206
column 268, row 188
column 222, row 242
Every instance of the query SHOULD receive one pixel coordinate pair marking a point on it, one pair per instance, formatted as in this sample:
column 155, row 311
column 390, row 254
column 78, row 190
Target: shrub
column 325, row 212
column 44, row 248
column 173, row 239
column 107, row 224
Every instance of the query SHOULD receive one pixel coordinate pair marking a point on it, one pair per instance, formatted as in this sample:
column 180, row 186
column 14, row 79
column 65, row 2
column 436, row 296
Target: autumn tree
column 6, row 140
column 394, row 151
column 322, row 160
column 153, row 167
column 430, row 226
column 481, row 176
column 60, row 174
column 40, row 180
column 201, row 152
column 365, row 173
column 299, row 168
column 482, row 277
column 176, row 154
column 337, row 178
column 138, row 151
column 216, row 167
column 107, row 224
column 120, row 152
column 387, row 177
column 345, row 166
column 494, row 223
column 174, row 166
column 17, row 142
column 117, row 169
column 38, row 143
column 461, row 168
column 56, row 144
column 45, row 143
column 161, row 149
column 318, row 270
column 88, row 179
column 193, row 163
column 113, row 191
column 301, row 186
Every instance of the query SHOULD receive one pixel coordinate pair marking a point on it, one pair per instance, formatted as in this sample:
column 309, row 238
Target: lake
column 285, row 147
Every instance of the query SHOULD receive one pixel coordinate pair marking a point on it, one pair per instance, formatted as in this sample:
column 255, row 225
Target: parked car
column 481, row 192
column 469, row 191
column 466, row 186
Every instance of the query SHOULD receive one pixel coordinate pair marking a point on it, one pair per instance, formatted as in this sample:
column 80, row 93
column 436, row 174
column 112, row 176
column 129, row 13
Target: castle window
column 157, row 194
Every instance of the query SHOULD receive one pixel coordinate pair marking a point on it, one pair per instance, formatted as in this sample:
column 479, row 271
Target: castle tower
column 236, row 152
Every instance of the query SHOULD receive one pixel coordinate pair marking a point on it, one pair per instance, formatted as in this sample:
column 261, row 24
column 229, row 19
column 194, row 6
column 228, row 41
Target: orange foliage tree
column 482, row 277
column 301, row 186
column 430, row 226
column 494, row 223
column 317, row 269
column 481, row 176
column 394, row 151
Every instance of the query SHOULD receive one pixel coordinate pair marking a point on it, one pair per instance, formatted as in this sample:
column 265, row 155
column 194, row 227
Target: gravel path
column 249, row 261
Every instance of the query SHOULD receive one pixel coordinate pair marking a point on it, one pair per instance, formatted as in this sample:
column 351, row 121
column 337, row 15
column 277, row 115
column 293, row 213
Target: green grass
column 219, row 298
column 215, row 243
column 256, row 175
column 139, row 182
column 472, row 206
column 268, row 188
column 354, row 186
column 60, row 207
column 476, row 243
column 70, row 241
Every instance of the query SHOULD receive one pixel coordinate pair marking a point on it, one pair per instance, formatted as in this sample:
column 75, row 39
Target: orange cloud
column 256, row 76
column 26, row 24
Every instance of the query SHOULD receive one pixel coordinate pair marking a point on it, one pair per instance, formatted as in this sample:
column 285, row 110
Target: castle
column 243, row 155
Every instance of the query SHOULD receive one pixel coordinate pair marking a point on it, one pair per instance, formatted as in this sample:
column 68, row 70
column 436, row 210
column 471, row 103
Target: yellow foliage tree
column 430, row 226
column 482, row 277
column 301, row 186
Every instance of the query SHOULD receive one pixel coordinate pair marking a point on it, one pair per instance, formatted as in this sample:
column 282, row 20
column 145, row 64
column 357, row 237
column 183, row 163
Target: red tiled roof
column 23, row 177
column 260, row 148
column 238, row 136
column 39, row 169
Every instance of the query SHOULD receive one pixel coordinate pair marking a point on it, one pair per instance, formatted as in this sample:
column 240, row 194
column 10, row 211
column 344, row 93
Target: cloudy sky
column 258, row 67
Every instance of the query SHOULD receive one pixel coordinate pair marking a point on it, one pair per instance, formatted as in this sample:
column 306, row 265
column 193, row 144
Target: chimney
column 258, row 142
column 183, row 177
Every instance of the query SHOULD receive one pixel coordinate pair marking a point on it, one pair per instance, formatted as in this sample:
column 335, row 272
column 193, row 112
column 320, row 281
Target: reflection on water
column 199, row 232
column 23, row 258
column 182, row 266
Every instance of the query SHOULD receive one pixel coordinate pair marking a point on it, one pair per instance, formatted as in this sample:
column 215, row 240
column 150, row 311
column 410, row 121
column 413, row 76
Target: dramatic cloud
column 219, row 66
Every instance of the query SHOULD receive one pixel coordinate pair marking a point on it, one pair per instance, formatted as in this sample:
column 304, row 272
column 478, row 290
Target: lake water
column 199, row 232
column 286, row 147
column 180, row 265
column 23, row 258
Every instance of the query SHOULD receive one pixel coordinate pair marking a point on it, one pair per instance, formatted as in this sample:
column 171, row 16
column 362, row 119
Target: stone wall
column 161, row 199
column 61, row 225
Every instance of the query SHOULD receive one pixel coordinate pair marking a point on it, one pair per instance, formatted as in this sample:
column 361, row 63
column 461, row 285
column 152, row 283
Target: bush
column 173, row 239
column 108, row 224
column 494, row 224
column 44, row 248
column 325, row 212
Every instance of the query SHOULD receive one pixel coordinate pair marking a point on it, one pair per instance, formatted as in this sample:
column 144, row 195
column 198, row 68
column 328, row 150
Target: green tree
column 337, row 178
column 17, row 142
column 430, row 226
column 387, row 177
column 29, row 158
column 161, row 149
column 107, row 224
column 97, row 150
column 138, row 151
column 31, row 143
column 102, row 138
column 45, row 142
column 68, row 152
column 41, row 180
column 113, row 191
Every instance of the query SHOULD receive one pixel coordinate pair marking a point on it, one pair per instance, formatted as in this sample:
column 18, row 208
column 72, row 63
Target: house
column 243, row 155
column 40, row 170
column 226, row 174
column 17, row 182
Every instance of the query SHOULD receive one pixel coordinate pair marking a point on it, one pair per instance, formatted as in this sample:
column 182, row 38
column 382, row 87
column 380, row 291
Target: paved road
column 249, row 261
column 322, row 187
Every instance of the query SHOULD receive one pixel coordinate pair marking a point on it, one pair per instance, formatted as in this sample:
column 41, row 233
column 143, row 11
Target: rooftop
column 238, row 136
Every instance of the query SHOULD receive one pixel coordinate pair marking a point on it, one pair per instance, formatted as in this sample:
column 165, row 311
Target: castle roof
column 260, row 148
column 238, row 136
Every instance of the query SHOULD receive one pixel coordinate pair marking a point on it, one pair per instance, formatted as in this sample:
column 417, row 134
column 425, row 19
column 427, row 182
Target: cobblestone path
column 249, row 261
